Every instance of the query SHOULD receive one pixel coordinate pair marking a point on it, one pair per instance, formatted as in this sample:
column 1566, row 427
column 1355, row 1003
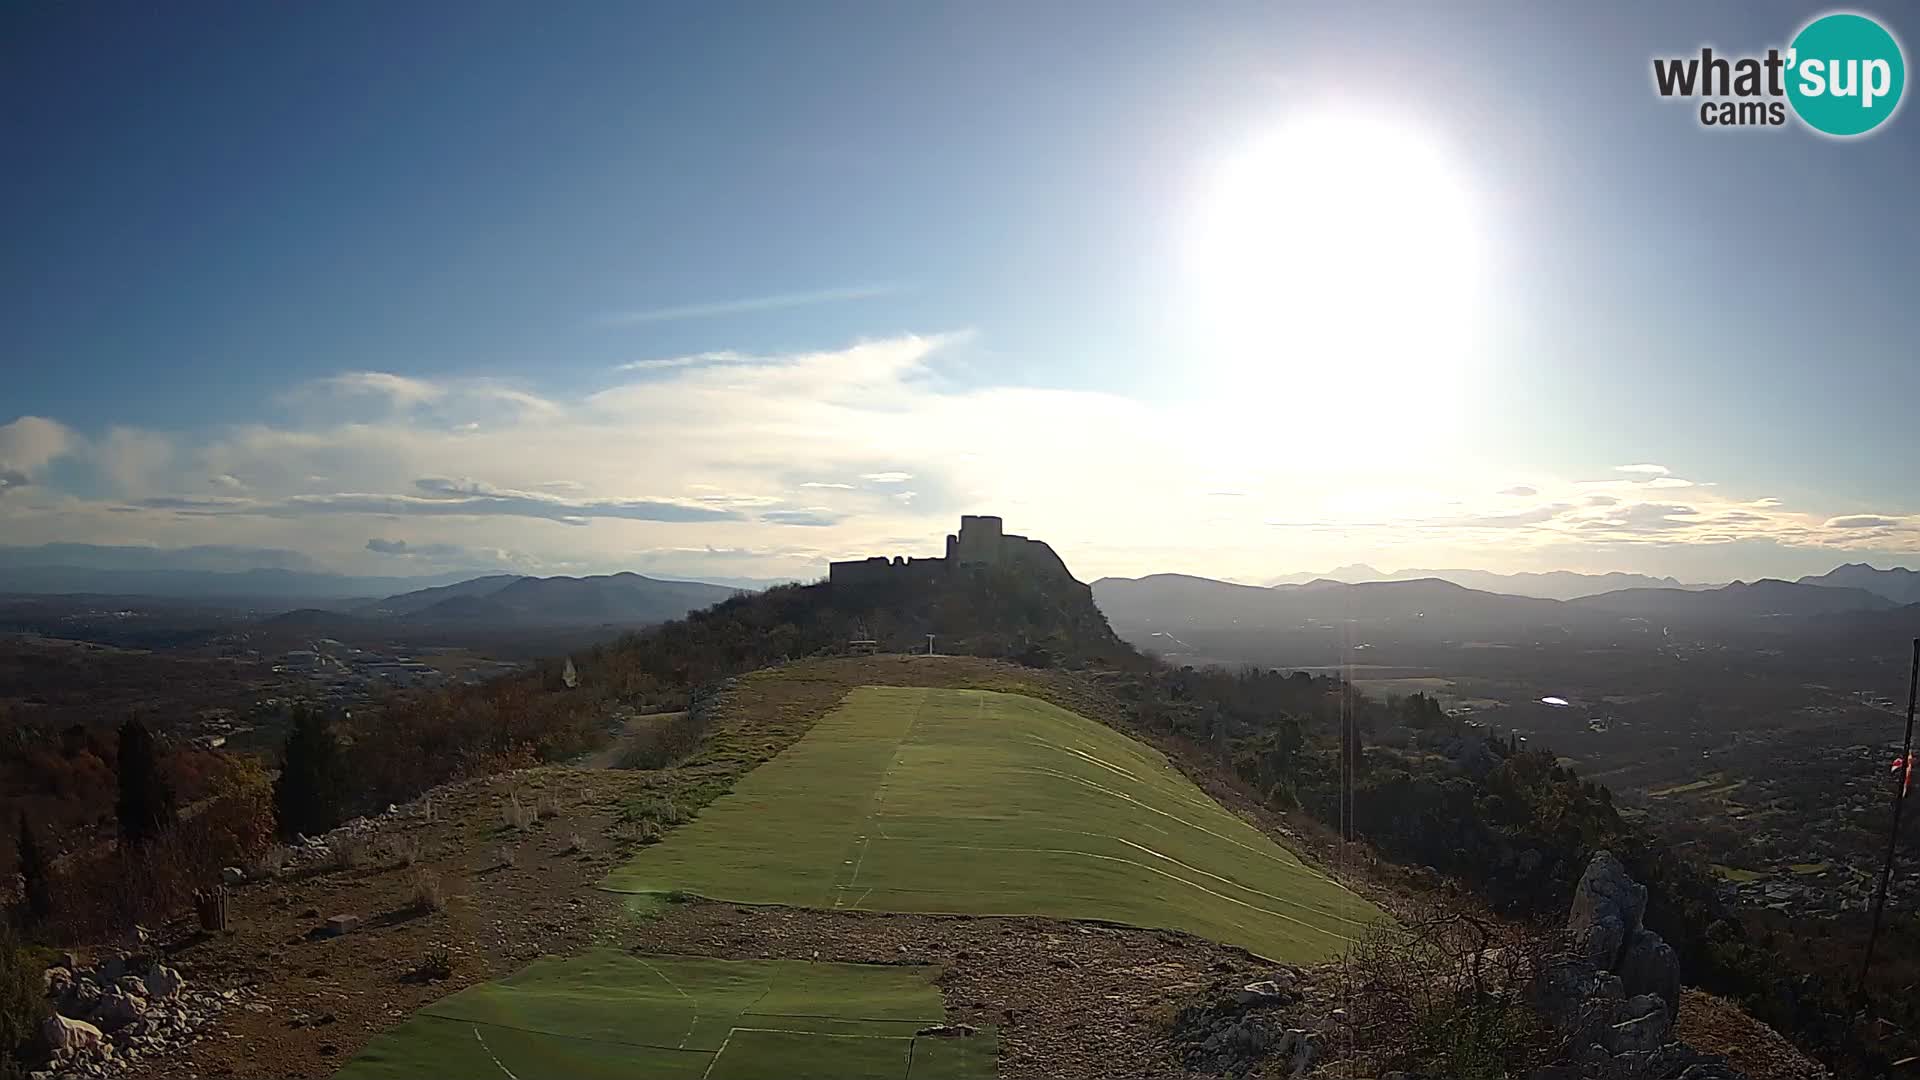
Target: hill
column 1550, row 585
column 410, row 603
column 606, row 598
column 1428, row 606
column 1898, row 584
column 1740, row 600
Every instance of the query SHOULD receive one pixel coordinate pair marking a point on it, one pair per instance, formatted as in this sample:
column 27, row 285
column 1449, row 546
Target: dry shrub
column 548, row 806
column 509, row 856
column 575, row 845
column 1450, row 996
column 347, row 853
column 517, row 815
column 407, row 851
column 101, row 897
column 436, row 965
column 272, row 862
column 428, row 894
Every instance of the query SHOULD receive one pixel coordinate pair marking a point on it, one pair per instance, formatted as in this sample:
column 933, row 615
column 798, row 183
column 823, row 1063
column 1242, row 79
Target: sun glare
column 1341, row 252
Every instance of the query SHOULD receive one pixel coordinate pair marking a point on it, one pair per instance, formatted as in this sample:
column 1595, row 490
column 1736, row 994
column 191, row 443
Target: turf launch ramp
column 983, row 803
column 605, row 1015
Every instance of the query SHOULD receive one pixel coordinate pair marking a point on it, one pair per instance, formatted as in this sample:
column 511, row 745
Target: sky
column 731, row 290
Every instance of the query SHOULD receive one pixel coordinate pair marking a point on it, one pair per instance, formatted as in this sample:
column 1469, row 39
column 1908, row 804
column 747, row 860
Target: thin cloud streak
column 753, row 304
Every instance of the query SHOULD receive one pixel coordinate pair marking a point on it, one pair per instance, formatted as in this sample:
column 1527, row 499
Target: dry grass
column 547, row 806
column 347, row 853
column 428, row 894
column 509, row 856
column 516, row 815
column 407, row 851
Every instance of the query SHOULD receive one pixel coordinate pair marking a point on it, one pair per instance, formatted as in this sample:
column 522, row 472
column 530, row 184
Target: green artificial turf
column 974, row 802
column 605, row 1015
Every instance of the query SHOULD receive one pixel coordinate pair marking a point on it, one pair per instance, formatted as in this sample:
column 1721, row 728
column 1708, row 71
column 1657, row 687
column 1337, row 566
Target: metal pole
column 1893, row 837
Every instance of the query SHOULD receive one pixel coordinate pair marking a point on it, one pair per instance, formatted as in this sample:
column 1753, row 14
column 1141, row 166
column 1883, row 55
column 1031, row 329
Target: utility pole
column 1893, row 837
column 929, row 644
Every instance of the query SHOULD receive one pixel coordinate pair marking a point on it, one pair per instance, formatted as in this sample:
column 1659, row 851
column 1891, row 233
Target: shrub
column 407, row 851
column 1449, row 997
column 38, row 899
column 516, row 815
column 436, row 965
column 575, row 845
column 657, row 810
column 147, row 805
column 272, row 861
column 509, row 856
column 22, row 999
column 347, row 853
column 548, row 806
column 428, row 895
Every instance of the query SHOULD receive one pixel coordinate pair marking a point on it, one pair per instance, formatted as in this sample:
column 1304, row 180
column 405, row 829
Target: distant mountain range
column 1552, row 585
column 249, row 588
column 506, row 600
column 1900, row 585
column 612, row 598
column 1178, row 599
column 1430, row 608
column 1758, row 599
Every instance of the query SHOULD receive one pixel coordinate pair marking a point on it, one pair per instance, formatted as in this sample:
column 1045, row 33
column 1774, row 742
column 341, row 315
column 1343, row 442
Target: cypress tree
column 147, row 804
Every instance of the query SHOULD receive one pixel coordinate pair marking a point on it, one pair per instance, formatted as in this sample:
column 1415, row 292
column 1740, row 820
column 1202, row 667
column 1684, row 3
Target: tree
column 147, row 804
column 33, row 871
column 310, row 795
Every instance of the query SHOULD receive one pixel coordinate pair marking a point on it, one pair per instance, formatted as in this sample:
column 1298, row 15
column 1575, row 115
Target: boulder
column 232, row 875
column 117, row 1009
column 57, row 981
column 163, row 982
column 1607, row 908
column 69, row 1036
column 341, row 925
column 1649, row 966
column 1640, row 1025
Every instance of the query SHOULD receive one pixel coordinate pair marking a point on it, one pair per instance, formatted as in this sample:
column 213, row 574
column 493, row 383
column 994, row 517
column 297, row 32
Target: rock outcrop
column 108, row 1017
column 1614, row 989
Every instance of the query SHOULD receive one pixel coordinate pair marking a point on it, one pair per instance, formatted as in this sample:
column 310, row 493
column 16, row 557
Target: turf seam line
column 1290, row 865
column 819, row 1034
column 695, row 1022
column 558, row 1034
column 873, row 815
column 1170, row 877
column 496, row 1058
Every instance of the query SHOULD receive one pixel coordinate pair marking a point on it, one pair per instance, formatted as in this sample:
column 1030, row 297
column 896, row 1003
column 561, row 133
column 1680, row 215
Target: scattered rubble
column 129, row 1007
column 1239, row 1031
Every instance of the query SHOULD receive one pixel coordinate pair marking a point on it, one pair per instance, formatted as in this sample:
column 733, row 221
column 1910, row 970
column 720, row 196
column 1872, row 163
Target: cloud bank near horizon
column 767, row 466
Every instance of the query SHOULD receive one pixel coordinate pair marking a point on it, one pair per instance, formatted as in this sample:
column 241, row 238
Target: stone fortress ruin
column 981, row 543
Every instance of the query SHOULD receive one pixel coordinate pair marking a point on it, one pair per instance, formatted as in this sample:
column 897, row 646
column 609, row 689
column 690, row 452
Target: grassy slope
column 607, row 1014
column 973, row 802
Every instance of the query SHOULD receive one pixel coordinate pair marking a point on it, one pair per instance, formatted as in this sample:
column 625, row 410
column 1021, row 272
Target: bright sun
column 1341, row 252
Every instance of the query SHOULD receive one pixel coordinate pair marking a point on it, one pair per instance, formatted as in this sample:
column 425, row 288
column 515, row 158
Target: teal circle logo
column 1845, row 73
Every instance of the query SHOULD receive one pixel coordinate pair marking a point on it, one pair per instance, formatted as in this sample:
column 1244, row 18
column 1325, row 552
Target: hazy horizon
column 1239, row 292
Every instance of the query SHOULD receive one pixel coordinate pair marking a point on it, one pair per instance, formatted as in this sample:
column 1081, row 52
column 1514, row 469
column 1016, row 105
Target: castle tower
column 980, row 539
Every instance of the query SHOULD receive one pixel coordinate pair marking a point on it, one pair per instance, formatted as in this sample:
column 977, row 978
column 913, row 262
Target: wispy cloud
column 1648, row 470
column 774, row 302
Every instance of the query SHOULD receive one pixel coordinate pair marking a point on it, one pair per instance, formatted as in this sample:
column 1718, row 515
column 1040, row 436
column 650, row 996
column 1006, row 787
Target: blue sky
column 298, row 276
